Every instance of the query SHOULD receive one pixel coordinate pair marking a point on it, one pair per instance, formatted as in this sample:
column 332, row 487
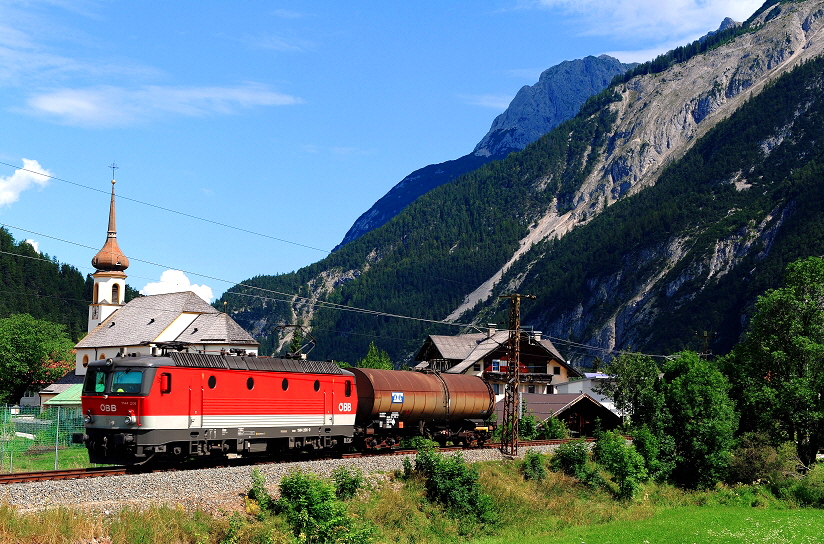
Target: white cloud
column 175, row 281
column 494, row 101
column 109, row 105
column 22, row 179
column 653, row 19
column 33, row 244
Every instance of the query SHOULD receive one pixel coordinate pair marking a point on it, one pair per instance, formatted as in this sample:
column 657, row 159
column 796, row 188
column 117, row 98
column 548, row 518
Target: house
column 581, row 413
column 149, row 325
column 68, row 401
column 57, row 388
column 588, row 385
column 486, row 354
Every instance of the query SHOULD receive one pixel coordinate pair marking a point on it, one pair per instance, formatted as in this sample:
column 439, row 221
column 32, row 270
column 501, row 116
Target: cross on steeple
column 114, row 167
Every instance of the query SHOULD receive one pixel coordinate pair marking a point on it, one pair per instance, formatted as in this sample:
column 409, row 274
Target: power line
column 170, row 210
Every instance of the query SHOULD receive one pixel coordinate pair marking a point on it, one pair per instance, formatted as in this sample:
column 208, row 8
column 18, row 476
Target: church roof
column 145, row 319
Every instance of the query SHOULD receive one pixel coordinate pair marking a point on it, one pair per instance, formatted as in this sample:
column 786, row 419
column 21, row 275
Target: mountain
column 535, row 110
column 664, row 207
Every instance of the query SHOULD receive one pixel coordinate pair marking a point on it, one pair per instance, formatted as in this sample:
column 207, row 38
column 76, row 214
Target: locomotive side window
column 284, row 384
column 250, row 384
column 95, row 382
column 212, row 382
column 317, row 385
column 347, row 390
column 127, row 381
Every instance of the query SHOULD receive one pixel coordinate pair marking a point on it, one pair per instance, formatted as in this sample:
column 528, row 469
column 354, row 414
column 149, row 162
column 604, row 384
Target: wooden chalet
column 487, row 353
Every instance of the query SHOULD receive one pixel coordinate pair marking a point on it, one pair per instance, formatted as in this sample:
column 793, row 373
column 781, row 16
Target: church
column 148, row 325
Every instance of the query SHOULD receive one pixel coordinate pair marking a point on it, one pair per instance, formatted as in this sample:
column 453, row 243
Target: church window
column 96, row 293
column 115, row 294
column 86, row 360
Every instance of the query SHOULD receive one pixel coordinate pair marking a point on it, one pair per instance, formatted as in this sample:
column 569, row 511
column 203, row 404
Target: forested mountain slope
column 637, row 222
column 42, row 287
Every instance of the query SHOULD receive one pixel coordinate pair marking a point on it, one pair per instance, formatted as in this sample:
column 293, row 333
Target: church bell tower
column 109, row 278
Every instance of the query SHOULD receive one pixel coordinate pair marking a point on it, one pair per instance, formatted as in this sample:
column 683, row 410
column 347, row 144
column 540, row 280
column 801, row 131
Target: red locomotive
column 189, row 405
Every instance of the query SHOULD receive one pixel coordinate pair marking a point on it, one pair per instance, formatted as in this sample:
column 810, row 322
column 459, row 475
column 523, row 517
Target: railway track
column 68, row 474
column 94, row 472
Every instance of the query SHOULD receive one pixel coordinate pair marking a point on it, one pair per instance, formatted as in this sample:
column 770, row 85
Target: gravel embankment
column 213, row 489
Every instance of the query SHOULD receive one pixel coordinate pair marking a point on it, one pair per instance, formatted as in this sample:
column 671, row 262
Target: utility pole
column 706, row 352
column 509, row 435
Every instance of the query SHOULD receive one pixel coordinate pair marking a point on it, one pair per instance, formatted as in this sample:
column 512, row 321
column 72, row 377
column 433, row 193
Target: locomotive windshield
column 127, row 381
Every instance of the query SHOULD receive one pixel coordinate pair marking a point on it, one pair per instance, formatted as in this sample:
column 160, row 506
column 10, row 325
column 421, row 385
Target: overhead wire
column 294, row 297
column 165, row 209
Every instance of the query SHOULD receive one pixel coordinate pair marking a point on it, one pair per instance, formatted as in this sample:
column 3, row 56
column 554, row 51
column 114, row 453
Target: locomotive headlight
column 129, row 420
column 87, row 419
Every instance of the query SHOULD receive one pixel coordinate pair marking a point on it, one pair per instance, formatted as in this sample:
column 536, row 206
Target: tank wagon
column 188, row 405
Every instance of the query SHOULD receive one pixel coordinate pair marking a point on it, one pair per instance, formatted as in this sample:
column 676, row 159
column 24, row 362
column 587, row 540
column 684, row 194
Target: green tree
column 376, row 358
column 635, row 388
column 32, row 352
column 778, row 370
column 703, row 420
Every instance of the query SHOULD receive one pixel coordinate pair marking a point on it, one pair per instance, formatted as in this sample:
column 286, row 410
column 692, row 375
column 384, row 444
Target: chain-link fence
column 32, row 440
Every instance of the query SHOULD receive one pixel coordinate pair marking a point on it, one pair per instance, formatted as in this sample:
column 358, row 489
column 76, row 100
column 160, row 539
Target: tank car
column 189, row 405
column 393, row 405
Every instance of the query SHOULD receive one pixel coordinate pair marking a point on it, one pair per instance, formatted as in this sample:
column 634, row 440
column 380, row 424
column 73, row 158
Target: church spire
column 110, row 258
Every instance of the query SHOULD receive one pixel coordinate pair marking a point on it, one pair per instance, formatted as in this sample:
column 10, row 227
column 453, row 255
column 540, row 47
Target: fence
column 32, row 440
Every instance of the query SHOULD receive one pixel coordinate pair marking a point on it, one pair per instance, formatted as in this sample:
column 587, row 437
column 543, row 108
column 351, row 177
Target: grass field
column 29, row 461
column 692, row 524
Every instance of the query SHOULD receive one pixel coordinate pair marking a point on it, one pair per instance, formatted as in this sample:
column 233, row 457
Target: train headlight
column 87, row 419
column 130, row 420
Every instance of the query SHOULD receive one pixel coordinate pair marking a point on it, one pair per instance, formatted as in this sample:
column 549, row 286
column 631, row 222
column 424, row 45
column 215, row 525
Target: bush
column 311, row 509
column 658, row 453
column 347, row 482
column 756, row 460
column 622, row 461
column 419, row 443
column 533, row 466
column 809, row 490
column 571, row 458
column 259, row 493
column 554, row 428
column 454, row 484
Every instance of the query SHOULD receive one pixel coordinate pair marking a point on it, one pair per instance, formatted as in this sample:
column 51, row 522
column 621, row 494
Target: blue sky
column 285, row 120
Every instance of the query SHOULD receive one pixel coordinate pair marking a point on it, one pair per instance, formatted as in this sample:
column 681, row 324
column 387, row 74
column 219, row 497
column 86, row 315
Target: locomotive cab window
column 95, row 382
column 126, row 381
column 347, row 389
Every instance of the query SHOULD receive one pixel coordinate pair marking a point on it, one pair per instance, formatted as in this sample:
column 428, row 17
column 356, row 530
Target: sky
column 249, row 136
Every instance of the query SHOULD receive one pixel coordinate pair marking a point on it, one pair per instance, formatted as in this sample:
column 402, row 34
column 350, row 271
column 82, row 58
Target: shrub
column 419, row 443
column 571, row 458
column 454, row 484
column 756, row 460
column 533, row 466
column 347, row 482
column 809, row 490
column 528, row 427
column 311, row 509
column 554, row 428
column 622, row 461
column 259, row 492
column 657, row 451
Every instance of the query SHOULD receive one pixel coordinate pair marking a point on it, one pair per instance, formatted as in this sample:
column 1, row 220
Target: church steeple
column 109, row 278
column 110, row 258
